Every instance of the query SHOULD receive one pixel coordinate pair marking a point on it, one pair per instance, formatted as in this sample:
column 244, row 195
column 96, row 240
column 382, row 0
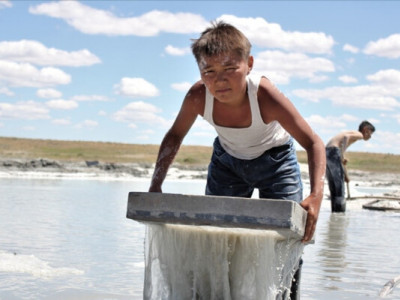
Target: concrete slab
column 286, row 217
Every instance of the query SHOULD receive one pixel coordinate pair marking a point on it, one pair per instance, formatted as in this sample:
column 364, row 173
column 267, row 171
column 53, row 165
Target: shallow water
column 70, row 239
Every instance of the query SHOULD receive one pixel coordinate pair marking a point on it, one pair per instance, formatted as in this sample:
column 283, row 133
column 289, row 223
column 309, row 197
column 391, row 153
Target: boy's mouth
column 222, row 91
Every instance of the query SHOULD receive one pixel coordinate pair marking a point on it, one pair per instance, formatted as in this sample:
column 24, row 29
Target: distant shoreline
column 91, row 169
column 95, row 170
column 35, row 158
column 144, row 170
column 142, row 154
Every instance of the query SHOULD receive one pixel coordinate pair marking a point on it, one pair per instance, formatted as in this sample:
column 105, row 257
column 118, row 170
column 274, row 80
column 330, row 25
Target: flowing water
column 69, row 239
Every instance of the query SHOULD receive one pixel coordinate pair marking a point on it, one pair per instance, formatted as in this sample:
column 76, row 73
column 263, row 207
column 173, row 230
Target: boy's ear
column 250, row 62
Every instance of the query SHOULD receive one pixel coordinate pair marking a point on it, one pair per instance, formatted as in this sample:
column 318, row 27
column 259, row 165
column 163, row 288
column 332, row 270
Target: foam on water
column 201, row 262
column 29, row 264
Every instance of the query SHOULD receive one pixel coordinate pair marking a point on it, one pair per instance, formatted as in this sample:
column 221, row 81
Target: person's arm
column 346, row 174
column 275, row 106
column 349, row 137
column 343, row 146
column 192, row 106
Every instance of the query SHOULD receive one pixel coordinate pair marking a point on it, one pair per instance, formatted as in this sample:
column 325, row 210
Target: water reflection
column 333, row 252
column 81, row 224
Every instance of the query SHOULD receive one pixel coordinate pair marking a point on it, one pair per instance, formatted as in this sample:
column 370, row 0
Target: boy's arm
column 275, row 106
column 349, row 138
column 192, row 106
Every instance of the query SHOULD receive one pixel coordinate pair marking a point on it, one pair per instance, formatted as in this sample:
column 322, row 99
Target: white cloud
column 318, row 78
column 48, row 93
column 171, row 50
column 89, row 123
column 397, row 118
column 271, row 35
column 328, row 126
column 181, row 86
column 140, row 112
column 99, row 98
column 62, row 104
column 142, row 138
column 280, row 66
column 61, row 121
column 26, row 75
column 348, row 79
column 203, row 125
column 102, row 113
column 348, row 118
column 388, row 47
column 350, row 48
column 351, row 61
column 133, row 126
column 29, row 128
column 36, row 53
column 320, row 122
column 389, row 77
column 24, row 110
column 365, row 97
column 148, row 131
column 96, row 21
column 136, row 88
column 5, row 4
column 6, row 91
column 386, row 140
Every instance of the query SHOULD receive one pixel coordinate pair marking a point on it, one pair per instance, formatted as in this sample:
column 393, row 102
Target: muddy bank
column 40, row 167
column 44, row 167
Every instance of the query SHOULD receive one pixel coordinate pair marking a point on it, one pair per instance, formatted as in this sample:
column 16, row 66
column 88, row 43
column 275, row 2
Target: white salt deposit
column 201, row 262
column 30, row 264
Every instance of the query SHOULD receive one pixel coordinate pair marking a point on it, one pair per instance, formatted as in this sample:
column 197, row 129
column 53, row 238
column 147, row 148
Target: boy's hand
column 312, row 205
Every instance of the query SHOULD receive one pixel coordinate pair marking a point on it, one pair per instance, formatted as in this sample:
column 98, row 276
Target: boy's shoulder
column 195, row 98
column 197, row 91
column 353, row 133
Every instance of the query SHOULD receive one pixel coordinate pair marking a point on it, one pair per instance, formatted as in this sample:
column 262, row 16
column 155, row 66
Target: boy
column 335, row 162
column 255, row 125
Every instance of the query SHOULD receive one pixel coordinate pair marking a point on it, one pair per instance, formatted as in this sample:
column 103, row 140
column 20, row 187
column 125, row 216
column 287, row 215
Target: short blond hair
column 221, row 38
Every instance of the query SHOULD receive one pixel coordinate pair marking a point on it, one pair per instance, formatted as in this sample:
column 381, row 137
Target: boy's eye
column 208, row 72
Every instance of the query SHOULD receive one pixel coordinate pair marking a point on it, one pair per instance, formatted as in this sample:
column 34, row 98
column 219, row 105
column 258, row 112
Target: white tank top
column 252, row 141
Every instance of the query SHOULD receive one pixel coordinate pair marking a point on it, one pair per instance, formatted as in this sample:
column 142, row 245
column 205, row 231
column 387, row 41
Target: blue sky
column 117, row 71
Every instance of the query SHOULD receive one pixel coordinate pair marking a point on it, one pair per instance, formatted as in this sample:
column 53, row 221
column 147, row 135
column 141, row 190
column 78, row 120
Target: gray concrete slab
column 286, row 217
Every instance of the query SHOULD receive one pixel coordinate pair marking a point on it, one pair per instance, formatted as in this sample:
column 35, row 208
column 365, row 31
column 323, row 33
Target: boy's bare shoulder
column 196, row 96
column 196, row 92
column 347, row 137
column 268, row 91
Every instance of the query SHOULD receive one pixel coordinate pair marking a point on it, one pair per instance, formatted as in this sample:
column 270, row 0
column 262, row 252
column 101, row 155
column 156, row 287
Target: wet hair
column 367, row 124
column 221, row 38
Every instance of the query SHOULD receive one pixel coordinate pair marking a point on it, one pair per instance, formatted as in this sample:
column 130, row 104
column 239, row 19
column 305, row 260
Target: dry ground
column 73, row 151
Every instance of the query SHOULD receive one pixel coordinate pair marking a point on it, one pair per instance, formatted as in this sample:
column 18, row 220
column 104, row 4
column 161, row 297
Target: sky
column 117, row 71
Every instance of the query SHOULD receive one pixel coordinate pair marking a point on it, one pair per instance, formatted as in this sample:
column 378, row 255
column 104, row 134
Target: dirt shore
column 44, row 168
column 39, row 166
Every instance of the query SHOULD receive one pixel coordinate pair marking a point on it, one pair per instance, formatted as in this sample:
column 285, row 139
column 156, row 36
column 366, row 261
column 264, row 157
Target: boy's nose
column 220, row 76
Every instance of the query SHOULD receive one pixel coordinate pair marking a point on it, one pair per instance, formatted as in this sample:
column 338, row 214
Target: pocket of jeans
column 218, row 150
column 280, row 155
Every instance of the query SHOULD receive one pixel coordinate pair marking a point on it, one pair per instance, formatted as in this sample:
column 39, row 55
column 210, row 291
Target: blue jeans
column 275, row 174
column 335, row 177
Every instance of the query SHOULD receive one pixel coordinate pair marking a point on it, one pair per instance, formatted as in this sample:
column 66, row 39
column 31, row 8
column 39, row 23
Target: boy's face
column 367, row 133
column 225, row 76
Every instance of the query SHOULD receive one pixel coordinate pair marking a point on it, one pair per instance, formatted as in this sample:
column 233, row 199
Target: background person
column 336, row 172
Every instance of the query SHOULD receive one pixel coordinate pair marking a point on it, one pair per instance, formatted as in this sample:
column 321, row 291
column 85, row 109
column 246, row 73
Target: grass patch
column 19, row 148
column 102, row 151
column 366, row 161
